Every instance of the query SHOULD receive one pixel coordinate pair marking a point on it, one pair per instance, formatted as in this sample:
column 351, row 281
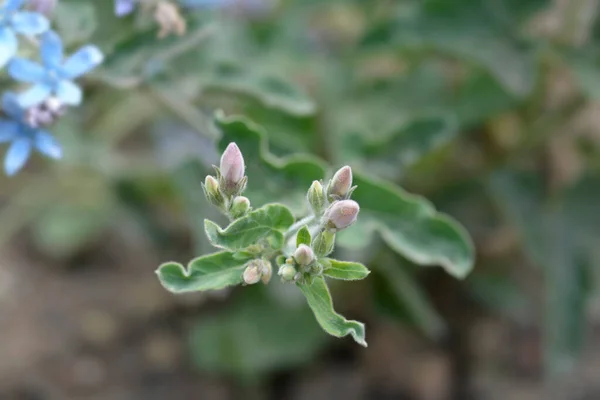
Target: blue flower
column 13, row 21
column 124, row 7
column 55, row 76
column 23, row 137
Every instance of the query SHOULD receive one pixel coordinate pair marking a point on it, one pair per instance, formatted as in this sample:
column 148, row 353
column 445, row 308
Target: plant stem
column 296, row 227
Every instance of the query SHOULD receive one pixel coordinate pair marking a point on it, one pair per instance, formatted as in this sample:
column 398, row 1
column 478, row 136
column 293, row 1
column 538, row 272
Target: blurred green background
column 488, row 108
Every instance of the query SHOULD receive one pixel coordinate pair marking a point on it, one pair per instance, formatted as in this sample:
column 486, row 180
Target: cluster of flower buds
column 225, row 190
column 302, row 265
column 257, row 270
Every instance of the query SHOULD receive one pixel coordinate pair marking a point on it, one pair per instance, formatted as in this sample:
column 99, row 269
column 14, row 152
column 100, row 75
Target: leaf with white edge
column 211, row 272
column 410, row 225
column 303, row 236
column 345, row 270
column 263, row 224
column 319, row 299
column 286, row 179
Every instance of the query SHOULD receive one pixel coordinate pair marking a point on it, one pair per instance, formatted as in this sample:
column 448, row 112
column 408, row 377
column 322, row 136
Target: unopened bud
column 252, row 274
column 212, row 192
column 342, row 214
column 239, row 207
column 43, row 6
column 267, row 271
column 170, row 20
column 287, row 272
column 316, row 197
column 304, row 255
column 340, row 184
column 232, row 170
column 324, row 243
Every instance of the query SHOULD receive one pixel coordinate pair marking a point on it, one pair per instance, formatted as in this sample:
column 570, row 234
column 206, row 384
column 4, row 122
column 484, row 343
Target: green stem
column 296, row 227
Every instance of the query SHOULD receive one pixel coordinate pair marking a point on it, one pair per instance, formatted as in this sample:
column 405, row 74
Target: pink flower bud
column 232, row 164
column 340, row 184
column 267, row 271
column 304, row 255
column 43, row 6
column 343, row 213
column 252, row 273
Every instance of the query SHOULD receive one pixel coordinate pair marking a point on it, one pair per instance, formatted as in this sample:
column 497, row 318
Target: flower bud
column 169, row 19
column 267, row 271
column 252, row 273
column 232, row 170
column 239, row 207
column 342, row 214
column 287, row 272
column 315, row 197
column 304, row 255
column 324, row 243
column 340, row 184
column 212, row 192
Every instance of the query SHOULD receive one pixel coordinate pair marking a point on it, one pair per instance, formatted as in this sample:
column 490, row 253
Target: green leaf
column 303, row 236
column 263, row 224
column 269, row 177
column 271, row 91
column 211, row 272
column 319, row 299
column 404, row 146
column 255, row 335
column 345, row 270
column 410, row 225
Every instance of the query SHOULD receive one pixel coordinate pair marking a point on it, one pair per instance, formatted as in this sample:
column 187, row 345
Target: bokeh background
column 489, row 108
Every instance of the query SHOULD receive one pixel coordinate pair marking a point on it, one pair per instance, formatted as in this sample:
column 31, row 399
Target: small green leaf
column 211, row 272
column 410, row 225
column 286, row 179
column 345, row 270
column 265, row 223
column 303, row 236
column 319, row 299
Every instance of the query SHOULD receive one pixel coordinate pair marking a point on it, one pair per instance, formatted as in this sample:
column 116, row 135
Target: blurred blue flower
column 23, row 138
column 124, row 7
column 13, row 21
column 55, row 76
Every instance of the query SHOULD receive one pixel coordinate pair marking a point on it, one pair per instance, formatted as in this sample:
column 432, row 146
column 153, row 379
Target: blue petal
column 11, row 107
column 124, row 7
column 13, row 5
column 34, row 95
column 8, row 130
column 29, row 23
column 48, row 145
column 69, row 93
column 8, row 45
column 17, row 155
column 83, row 61
column 52, row 50
column 25, row 70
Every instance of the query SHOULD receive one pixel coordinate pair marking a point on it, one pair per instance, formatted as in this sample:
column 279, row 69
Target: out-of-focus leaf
column 286, row 179
column 319, row 299
column 271, row 91
column 587, row 75
column 410, row 225
column 403, row 147
column 263, row 224
column 255, row 335
column 397, row 293
column 345, row 270
column 75, row 21
column 556, row 234
column 211, row 272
